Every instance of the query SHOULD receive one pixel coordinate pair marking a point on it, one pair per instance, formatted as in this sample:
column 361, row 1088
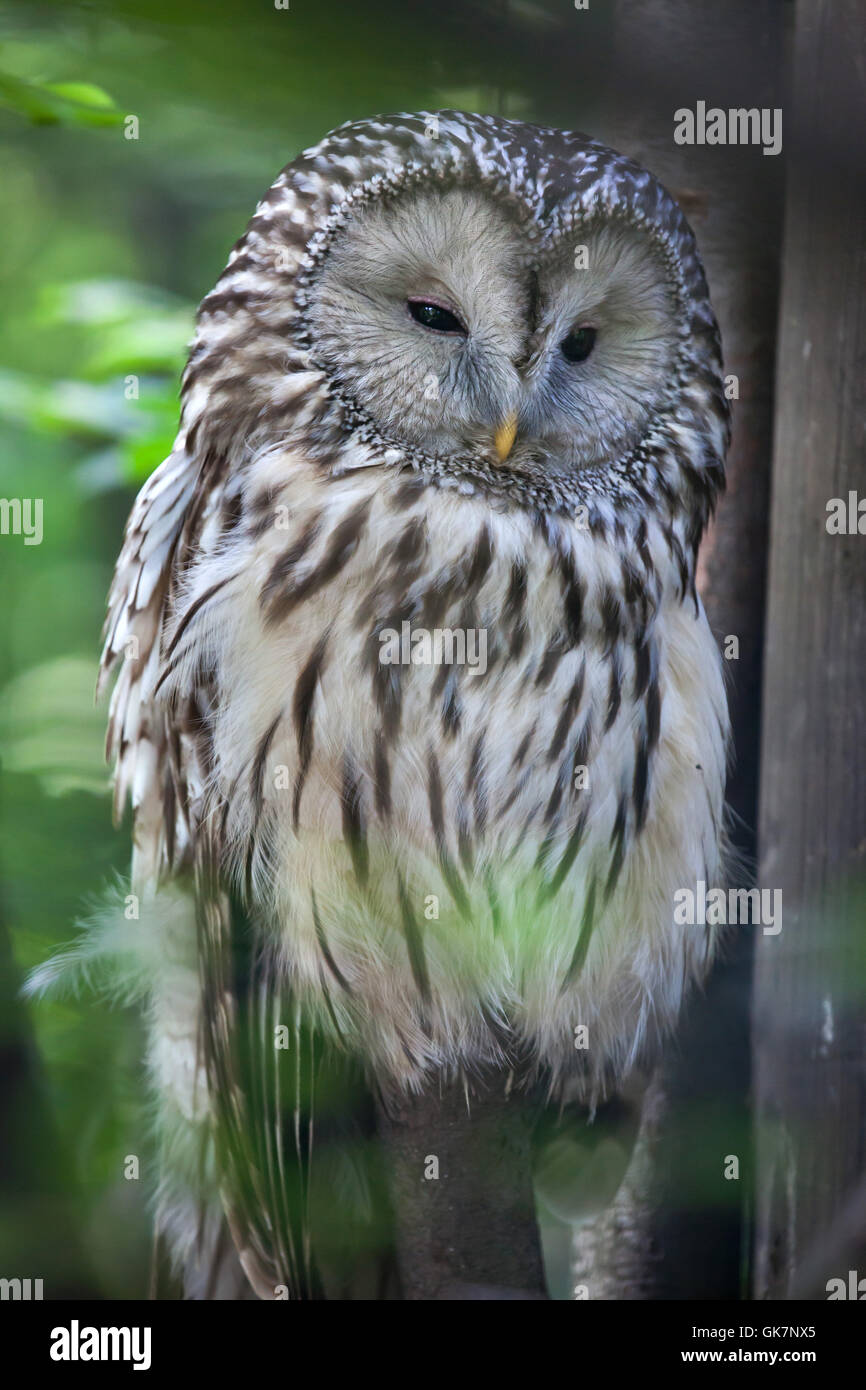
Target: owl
column 418, row 708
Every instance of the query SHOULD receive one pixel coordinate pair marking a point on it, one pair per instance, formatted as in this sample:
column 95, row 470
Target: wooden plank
column 810, row 983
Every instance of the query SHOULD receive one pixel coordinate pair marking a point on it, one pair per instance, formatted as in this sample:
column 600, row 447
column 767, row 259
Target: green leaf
column 91, row 411
column 58, row 103
column 84, row 93
column 99, row 303
column 144, row 345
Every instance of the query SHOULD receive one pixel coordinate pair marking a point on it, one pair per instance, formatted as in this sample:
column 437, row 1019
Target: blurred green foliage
column 131, row 342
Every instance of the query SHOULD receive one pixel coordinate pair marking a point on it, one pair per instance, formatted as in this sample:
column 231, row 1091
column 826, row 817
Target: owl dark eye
column 434, row 316
column 578, row 345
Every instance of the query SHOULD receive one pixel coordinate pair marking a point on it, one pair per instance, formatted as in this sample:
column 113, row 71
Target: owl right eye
column 579, row 344
column 434, row 316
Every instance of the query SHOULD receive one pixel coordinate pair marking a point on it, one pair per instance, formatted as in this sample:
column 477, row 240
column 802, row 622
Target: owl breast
column 462, row 759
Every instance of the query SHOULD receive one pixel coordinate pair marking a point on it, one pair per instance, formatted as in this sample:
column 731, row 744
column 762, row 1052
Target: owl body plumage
column 439, row 867
column 460, row 866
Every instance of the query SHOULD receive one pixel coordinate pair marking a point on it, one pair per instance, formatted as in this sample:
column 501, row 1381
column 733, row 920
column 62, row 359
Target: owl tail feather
column 308, row 1219
column 127, row 946
column 247, row 1204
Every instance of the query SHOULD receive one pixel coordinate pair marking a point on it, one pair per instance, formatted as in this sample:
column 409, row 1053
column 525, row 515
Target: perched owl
column 418, row 708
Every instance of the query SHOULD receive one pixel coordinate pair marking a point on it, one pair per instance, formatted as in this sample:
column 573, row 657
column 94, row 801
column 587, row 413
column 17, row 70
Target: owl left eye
column 579, row 344
column 434, row 316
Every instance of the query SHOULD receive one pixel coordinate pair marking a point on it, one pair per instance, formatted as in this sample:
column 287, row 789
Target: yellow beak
column 503, row 439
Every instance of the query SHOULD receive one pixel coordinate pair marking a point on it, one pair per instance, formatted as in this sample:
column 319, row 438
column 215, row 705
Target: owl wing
column 157, row 749
column 262, row 1096
column 159, row 752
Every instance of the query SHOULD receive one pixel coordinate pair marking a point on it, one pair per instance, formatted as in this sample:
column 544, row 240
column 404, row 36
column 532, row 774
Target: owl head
column 506, row 308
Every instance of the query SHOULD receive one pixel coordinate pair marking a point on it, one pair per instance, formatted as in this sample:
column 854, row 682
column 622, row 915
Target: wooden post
column 810, row 984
